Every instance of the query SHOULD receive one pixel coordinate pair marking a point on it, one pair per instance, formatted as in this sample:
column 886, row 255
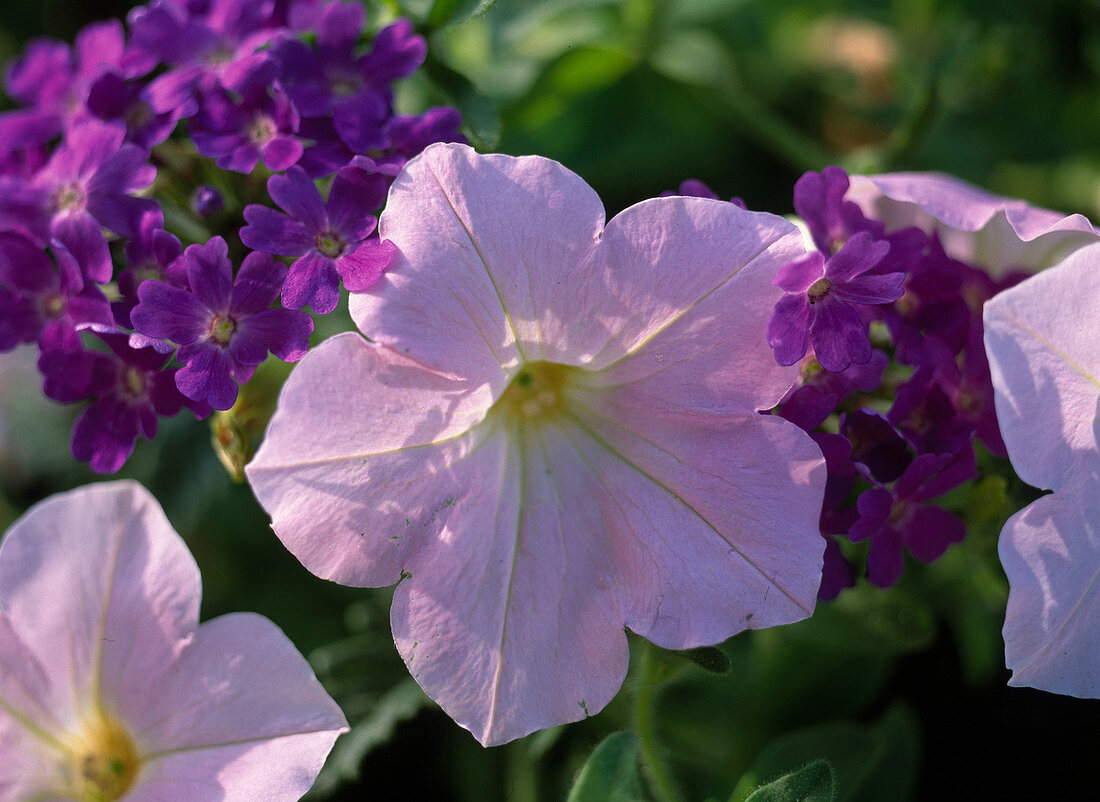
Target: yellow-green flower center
column 329, row 244
column 537, row 392
column 103, row 761
column 222, row 329
column 819, row 289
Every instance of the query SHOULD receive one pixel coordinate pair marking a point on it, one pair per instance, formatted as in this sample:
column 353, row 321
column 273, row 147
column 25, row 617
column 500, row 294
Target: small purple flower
column 822, row 300
column 897, row 519
column 875, row 445
column 152, row 254
column 129, row 389
column 223, row 325
column 88, row 185
column 39, row 301
column 207, row 53
column 112, row 98
column 207, row 201
column 237, row 134
column 331, row 240
column 926, row 417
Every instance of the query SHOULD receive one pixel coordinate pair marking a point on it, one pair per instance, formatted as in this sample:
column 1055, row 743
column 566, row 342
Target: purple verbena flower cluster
column 126, row 317
column 895, row 385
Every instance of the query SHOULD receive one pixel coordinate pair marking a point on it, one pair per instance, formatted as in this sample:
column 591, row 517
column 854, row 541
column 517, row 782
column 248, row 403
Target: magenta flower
column 88, row 185
column 331, row 240
column 109, row 688
column 822, row 303
column 223, row 325
column 130, row 389
column 551, row 434
column 1043, row 352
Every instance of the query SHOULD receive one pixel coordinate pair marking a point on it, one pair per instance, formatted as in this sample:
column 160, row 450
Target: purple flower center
column 328, row 244
column 133, row 382
column 819, row 289
column 262, row 130
column 52, row 305
column 68, row 198
column 344, row 83
column 220, row 54
column 222, row 329
column 137, row 115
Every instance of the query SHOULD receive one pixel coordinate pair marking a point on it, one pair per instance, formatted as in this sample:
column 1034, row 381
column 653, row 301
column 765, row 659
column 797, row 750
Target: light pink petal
column 1044, row 357
column 238, row 695
column 277, row 770
column 493, row 264
column 1051, row 554
column 130, row 597
column 716, row 517
column 512, row 621
column 694, row 326
column 25, row 726
column 356, row 483
column 975, row 226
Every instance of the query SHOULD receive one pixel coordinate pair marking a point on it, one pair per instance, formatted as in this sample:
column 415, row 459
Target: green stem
column 647, row 689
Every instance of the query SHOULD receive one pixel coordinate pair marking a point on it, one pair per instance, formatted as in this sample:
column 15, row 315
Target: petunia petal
column 1050, row 551
column 324, row 468
column 505, row 284
column 997, row 233
column 694, row 327
column 1043, row 357
column 132, row 595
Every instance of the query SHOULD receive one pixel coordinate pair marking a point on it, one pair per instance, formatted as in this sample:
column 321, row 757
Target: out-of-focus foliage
column 901, row 690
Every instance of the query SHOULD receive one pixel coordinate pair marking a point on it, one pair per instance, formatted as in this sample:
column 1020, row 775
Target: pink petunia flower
column 976, row 227
column 551, row 434
column 1044, row 355
column 108, row 688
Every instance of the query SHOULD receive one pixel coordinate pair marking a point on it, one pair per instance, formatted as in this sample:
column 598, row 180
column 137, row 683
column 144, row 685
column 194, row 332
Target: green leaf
column 814, row 782
column 453, row 12
column 611, row 773
column 480, row 120
column 872, row 762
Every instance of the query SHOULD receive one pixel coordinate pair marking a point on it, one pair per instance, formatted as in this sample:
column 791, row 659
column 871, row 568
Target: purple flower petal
column 312, row 281
column 210, row 274
column 207, row 376
column 362, row 267
column 839, row 335
column 788, row 328
column 275, row 232
column 167, row 312
column 257, row 285
column 282, row 331
column 299, row 197
column 352, row 202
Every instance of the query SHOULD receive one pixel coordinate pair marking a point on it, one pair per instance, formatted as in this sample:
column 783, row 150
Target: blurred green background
column 903, row 690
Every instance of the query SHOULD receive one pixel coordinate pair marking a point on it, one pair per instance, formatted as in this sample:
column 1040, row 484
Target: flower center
column 133, row 382
column 343, row 83
column 819, row 289
column 137, row 115
column 68, row 198
column 52, row 305
column 537, row 392
column 103, row 761
column 222, row 329
column 329, row 244
column 261, row 131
